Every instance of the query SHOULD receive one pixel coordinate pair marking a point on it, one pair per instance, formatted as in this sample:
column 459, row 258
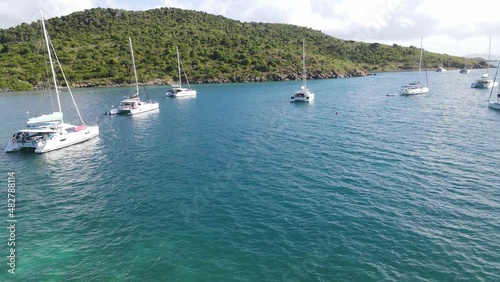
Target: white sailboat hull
column 143, row 107
column 414, row 90
column 181, row 92
column 44, row 140
column 484, row 84
column 302, row 97
column 494, row 105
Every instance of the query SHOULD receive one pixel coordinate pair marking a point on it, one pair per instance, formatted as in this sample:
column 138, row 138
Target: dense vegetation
column 93, row 48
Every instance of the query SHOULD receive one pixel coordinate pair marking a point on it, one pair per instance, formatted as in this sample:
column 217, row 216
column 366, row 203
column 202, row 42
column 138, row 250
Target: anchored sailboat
column 133, row 104
column 483, row 82
column 491, row 102
column 414, row 88
column 177, row 89
column 304, row 94
column 48, row 132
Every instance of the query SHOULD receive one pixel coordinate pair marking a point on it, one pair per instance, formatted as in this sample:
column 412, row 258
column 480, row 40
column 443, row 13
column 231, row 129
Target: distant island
column 92, row 47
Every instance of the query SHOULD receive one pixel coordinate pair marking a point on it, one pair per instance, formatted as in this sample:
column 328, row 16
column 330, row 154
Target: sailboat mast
column 488, row 62
column 304, row 62
column 51, row 62
column 133, row 63
column 179, row 65
column 420, row 63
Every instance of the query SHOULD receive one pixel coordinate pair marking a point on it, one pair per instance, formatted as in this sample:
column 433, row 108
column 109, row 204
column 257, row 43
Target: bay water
column 239, row 184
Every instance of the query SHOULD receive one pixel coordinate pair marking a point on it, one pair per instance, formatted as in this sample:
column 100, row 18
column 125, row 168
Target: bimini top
column 55, row 116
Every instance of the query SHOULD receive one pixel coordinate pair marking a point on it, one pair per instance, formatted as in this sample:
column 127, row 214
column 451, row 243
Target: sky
column 453, row 27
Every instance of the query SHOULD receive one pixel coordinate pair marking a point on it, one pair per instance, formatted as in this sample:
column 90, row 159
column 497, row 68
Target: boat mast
column 420, row 63
column 304, row 62
column 488, row 62
column 51, row 62
column 179, row 65
column 133, row 63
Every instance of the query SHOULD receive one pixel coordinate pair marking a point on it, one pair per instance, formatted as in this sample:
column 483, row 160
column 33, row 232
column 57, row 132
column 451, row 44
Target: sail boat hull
column 494, row 105
column 46, row 139
column 178, row 92
column 304, row 95
column 134, row 106
column 414, row 90
column 484, row 84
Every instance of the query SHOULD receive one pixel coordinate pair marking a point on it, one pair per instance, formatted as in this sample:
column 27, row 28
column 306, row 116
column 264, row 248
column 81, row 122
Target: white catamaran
column 133, row 104
column 48, row 132
column 177, row 89
column 414, row 88
column 483, row 82
column 304, row 94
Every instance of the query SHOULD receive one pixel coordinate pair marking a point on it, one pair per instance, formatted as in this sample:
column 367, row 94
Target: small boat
column 304, row 94
column 49, row 132
column 391, row 94
column 177, row 89
column 440, row 69
column 464, row 71
column 494, row 104
column 133, row 104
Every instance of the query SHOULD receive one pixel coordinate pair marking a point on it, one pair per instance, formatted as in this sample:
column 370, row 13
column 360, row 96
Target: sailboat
column 133, row 104
column 304, row 94
column 49, row 132
column 177, row 89
column 414, row 88
column 492, row 103
column 483, row 82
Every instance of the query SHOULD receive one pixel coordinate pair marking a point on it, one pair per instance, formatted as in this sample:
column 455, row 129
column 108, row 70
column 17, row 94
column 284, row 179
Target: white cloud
column 16, row 12
column 453, row 27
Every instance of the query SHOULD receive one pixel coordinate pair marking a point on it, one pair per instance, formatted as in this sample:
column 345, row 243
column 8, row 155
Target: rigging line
column 185, row 75
column 494, row 79
column 425, row 70
column 147, row 96
column 46, row 91
column 66, row 81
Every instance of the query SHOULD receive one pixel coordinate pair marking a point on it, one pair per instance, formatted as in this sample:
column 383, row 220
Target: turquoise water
column 241, row 185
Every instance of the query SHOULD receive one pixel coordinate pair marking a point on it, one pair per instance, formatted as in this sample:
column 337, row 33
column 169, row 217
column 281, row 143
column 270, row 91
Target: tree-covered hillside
column 93, row 48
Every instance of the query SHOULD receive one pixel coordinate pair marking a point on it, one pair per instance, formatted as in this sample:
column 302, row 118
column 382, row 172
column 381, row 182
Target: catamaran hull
column 139, row 110
column 494, row 105
column 301, row 100
column 188, row 93
column 414, row 91
column 304, row 99
column 484, row 85
column 181, row 92
column 57, row 142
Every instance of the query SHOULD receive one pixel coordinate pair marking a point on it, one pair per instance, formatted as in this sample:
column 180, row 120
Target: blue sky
column 452, row 27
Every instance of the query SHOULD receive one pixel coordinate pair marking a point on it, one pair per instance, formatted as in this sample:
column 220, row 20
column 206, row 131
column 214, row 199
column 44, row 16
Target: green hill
column 93, row 48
